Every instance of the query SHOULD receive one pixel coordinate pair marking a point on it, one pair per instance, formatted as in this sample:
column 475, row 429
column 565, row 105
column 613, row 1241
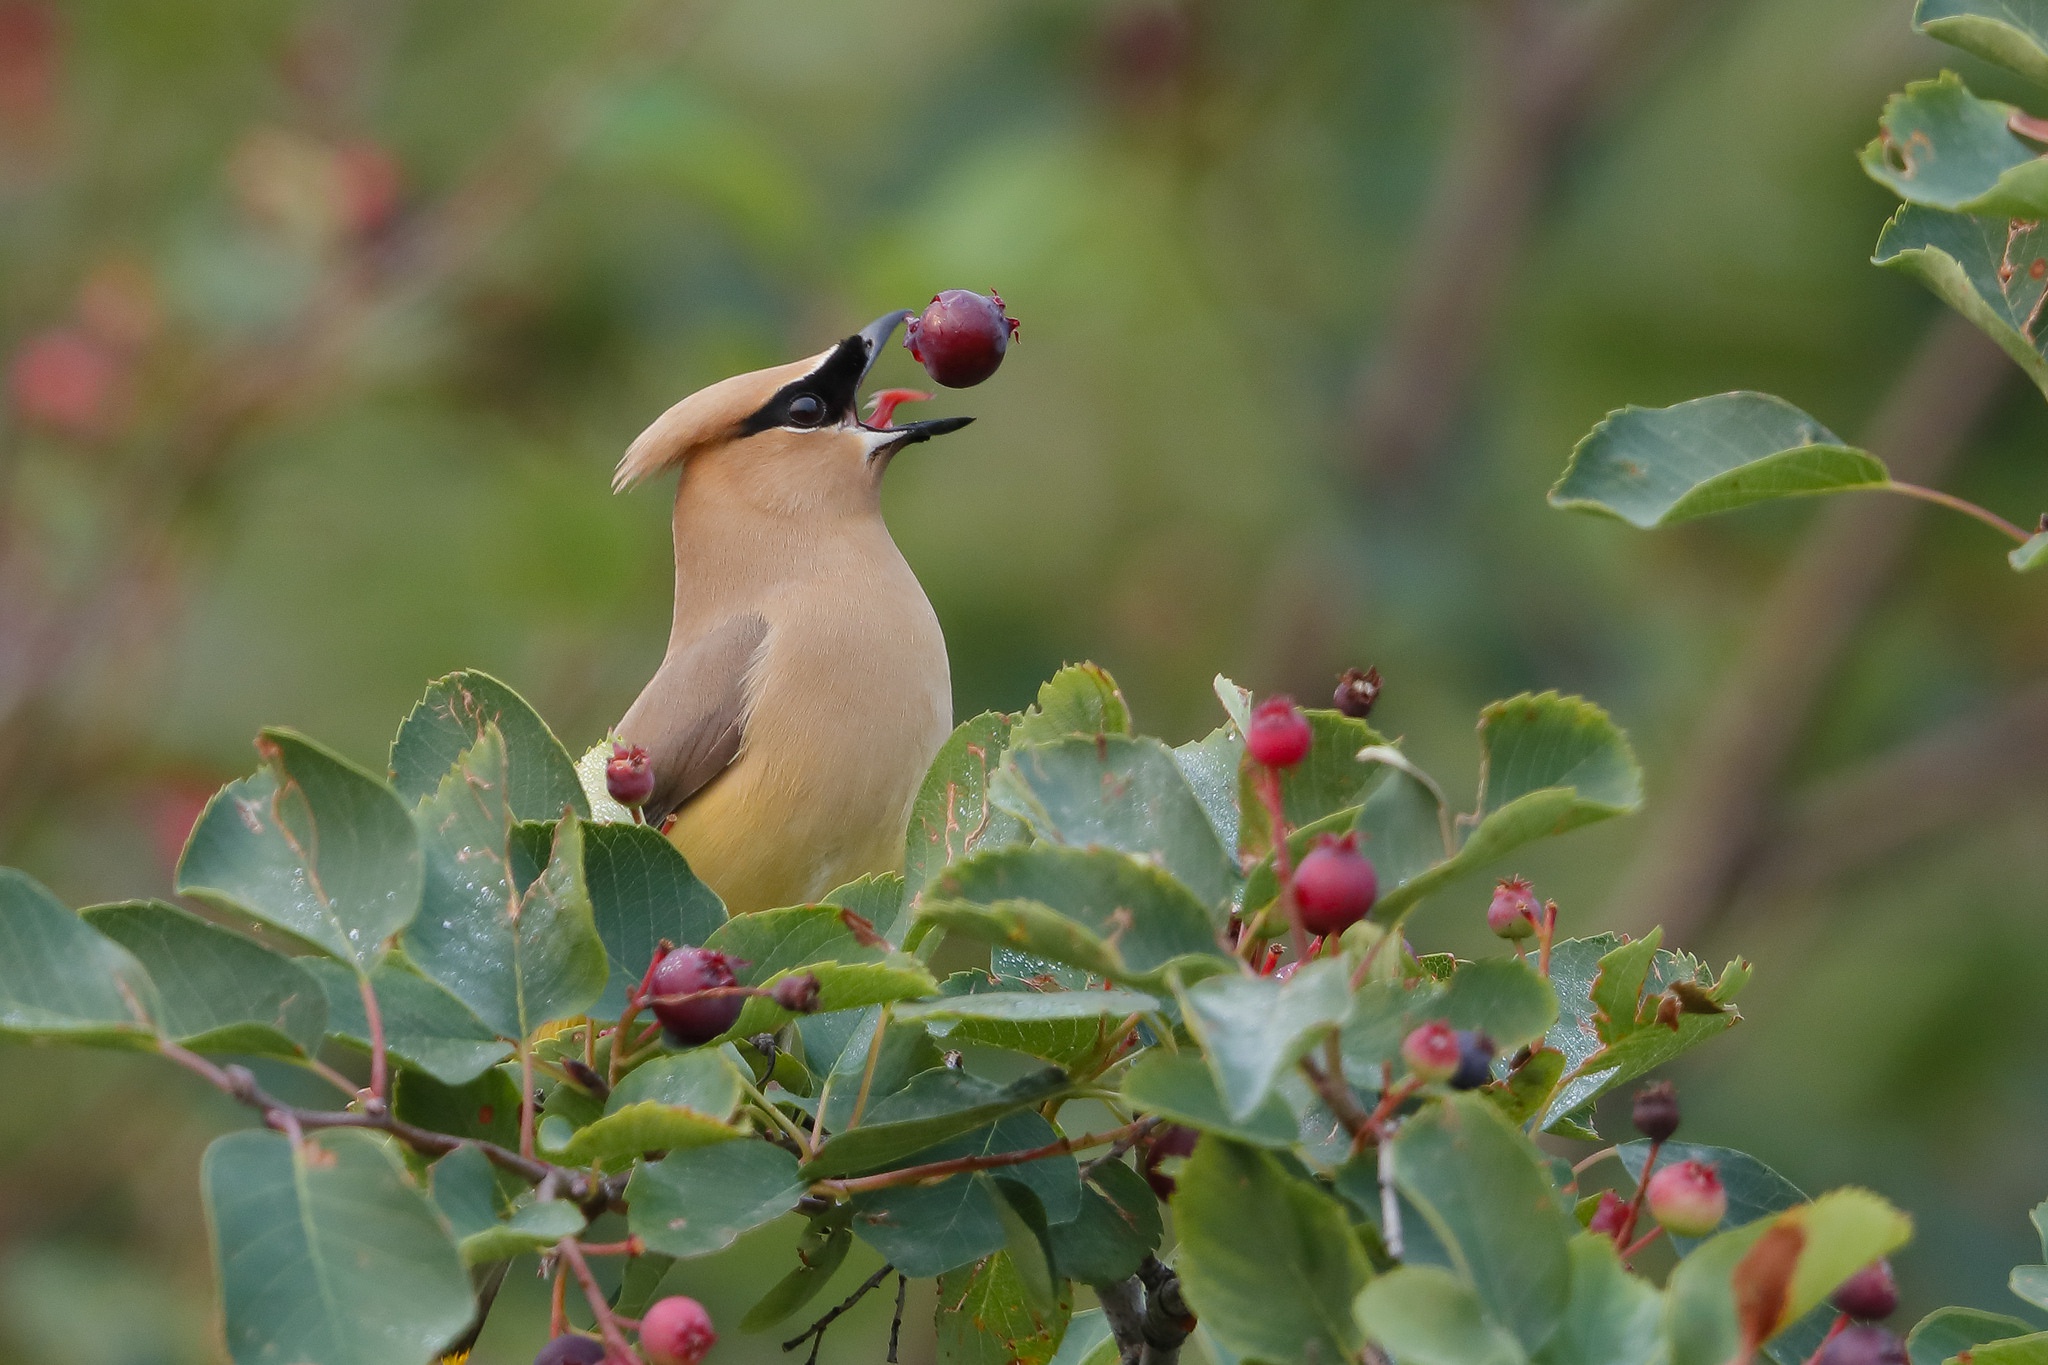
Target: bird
column 805, row 689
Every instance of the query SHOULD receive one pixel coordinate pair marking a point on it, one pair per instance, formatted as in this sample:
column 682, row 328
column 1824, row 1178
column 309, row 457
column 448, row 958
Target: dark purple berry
column 1656, row 1111
column 571, row 1349
column 1356, row 692
column 685, row 972
column 1610, row 1215
column 1335, row 885
column 960, row 337
column 628, row 776
column 1277, row 735
column 797, row 994
column 1869, row 1294
column 1475, row 1060
column 1861, row 1344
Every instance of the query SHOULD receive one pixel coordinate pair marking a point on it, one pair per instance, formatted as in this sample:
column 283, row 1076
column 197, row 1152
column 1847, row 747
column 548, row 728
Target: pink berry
column 1512, row 912
column 960, row 337
column 686, row 971
column 797, row 994
column 1610, row 1216
column 1335, row 885
column 1686, row 1198
column 629, row 776
column 1431, row 1051
column 1278, row 735
column 1870, row 1293
column 571, row 1349
column 65, row 381
column 676, row 1331
column 1862, row 1344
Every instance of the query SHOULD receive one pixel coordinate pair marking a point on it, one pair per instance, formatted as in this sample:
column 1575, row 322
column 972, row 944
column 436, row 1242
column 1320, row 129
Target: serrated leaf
column 1253, row 1028
column 217, row 991
column 60, row 979
column 930, row 1229
column 1117, row 1227
column 1942, row 146
column 1329, row 779
column 1096, row 909
column 1181, row 1087
column 1425, row 1315
column 877, row 898
column 1656, row 466
column 934, row 1107
column 985, row 1317
column 425, row 1027
column 1210, row 765
column 1612, row 1318
column 1459, row 1163
column 1984, row 268
column 906, row 1050
column 2010, row 33
column 696, row 1202
column 952, row 816
column 641, row 892
column 506, row 924
column 448, row 721
column 309, row 844
column 671, row 1103
column 1121, row 792
column 1029, row 1006
column 1080, row 699
column 1947, row 1333
column 2030, row 556
column 1267, row 1261
column 1060, row 1026
column 290, row 1226
column 1402, row 825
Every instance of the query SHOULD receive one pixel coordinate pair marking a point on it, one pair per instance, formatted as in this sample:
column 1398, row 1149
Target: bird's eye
column 806, row 410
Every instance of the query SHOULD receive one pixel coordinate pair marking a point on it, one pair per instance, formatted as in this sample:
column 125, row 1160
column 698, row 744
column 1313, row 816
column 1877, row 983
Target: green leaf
column 1328, row 780
column 1181, row 1087
column 2031, row 555
column 1612, row 1318
column 1942, row 146
column 699, row 1201
column 2026, row 1350
column 1267, row 1261
column 853, row 967
column 819, row 1254
column 1080, row 699
column 292, row 1231
column 1060, row 1026
column 425, row 1028
column 935, row 1106
column 488, row 1226
column 1403, row 825
column 519, row 949
column 310, row 844
column 1656, row 466
column 1838, row 1234
column 1981, row 267
column 486, row 1108
column 1210, row 765
column 1120, row 792
column 1460, row 1163
column 986, row 1318
column 1425, row 1315
column 1088, row 1341
column 1754, row 1189
column 672, row 1103
column 1096, row 909
column 534, row 1227
column 906, row 1050
column 1253, row 1028
column 60, row 979
column 2010, row 33
column 951, row 816
column 1947, row 1333
column 1014, row 1006
column 448, row 721
column 877, row 898
column 641, row 892
column 1118, row 1227
column 216, row 990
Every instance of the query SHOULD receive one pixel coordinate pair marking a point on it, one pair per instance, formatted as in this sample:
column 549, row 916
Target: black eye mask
column 824, row 397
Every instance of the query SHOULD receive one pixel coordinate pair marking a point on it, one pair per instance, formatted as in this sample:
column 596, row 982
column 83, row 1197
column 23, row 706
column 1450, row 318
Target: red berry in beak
column 1277, row 735
column 676, row 1331
column 1686, row 1198
column 961, row 337
column 1334, row 886
column 629, row 776
column 685, row 972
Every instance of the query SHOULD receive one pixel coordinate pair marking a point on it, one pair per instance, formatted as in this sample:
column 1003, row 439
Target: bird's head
column 789, row 437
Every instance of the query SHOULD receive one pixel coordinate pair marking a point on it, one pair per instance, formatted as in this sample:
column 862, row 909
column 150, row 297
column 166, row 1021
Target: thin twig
column 615, row 1342
column 940, row 1170
column 867, row 1075
column 896, row 1323
column 379, row 1066
column 1955, row 504
column 1136, row 1134
column 1390, row 1203
column 815, row 1333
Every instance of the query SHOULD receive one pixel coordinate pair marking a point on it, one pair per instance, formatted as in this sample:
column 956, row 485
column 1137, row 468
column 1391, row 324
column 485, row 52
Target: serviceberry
column 1335, row 885
column 1356, row 692
column 961, row 337
column 798, row 994
column 1870, row 1293
column 571, row 1349
column 1687, row 1199
column 1656, row 1111
column 676, row 1331
column 628, row 775
column 1278, row 735
column 686, row 971
column 1475, row 1060
column 1512, row 912
column 1610, row 1216
column 1432, row 1051
column 1862, row 1343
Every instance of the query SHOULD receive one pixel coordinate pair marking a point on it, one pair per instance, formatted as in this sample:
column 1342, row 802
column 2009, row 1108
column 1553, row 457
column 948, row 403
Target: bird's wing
column 691, row 717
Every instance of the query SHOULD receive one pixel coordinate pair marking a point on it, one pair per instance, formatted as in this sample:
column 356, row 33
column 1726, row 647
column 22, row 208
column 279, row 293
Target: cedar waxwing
column 805, row 689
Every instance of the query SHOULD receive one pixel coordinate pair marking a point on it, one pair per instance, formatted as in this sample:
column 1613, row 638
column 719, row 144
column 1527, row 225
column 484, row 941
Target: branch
column 939, row 1170
column 1707, row 826
column 815, row 1333
column 617, row 1349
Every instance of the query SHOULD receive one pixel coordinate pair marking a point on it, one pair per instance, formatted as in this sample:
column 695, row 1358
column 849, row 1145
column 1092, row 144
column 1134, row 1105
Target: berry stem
column 1842, row 1321
column 526, row 1099
column 558, row 1302
column 380, row 1067
column 774, row 1115
column 635, row 1002
column 1956, row 504
column 1597, row 1157
column 867, row 1075
column 1283, row 859
column 1635, row 1206
column 607, row 1325
column 1546, row 931
column 1628, row 1252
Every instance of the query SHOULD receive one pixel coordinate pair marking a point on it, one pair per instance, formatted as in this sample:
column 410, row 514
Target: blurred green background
column 326, row 323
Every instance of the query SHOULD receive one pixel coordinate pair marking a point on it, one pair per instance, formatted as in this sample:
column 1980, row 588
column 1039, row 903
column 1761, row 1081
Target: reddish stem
column 1283, row 858
column 379, row 1067
column 1628, row 1252
column 1635, row 1207
column 607, row 1322
column 938, row 1170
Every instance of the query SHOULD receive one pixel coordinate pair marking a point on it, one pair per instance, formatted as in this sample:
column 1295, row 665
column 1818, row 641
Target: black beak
column 876, row 335
column 910, row 433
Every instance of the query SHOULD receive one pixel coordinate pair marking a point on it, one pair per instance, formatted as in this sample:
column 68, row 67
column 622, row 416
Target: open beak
column 893, row 437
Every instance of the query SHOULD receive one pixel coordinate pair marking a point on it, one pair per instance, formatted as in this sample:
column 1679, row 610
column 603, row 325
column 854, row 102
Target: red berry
column 571, row 1349
column 1655, row 1112
column 1356, row 692
column 1278, row 735
column 629, row 776
column 1870, row 1293
column 1610, row 1215
column 686, row 971
column 1512, row 912
column 1431, row 1051
column 64, row 381
column 1862, row 1344
column 1335, row 885
column 1686, row 1198
column 960, row 337
column 371, row 184
column 676, row 1331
